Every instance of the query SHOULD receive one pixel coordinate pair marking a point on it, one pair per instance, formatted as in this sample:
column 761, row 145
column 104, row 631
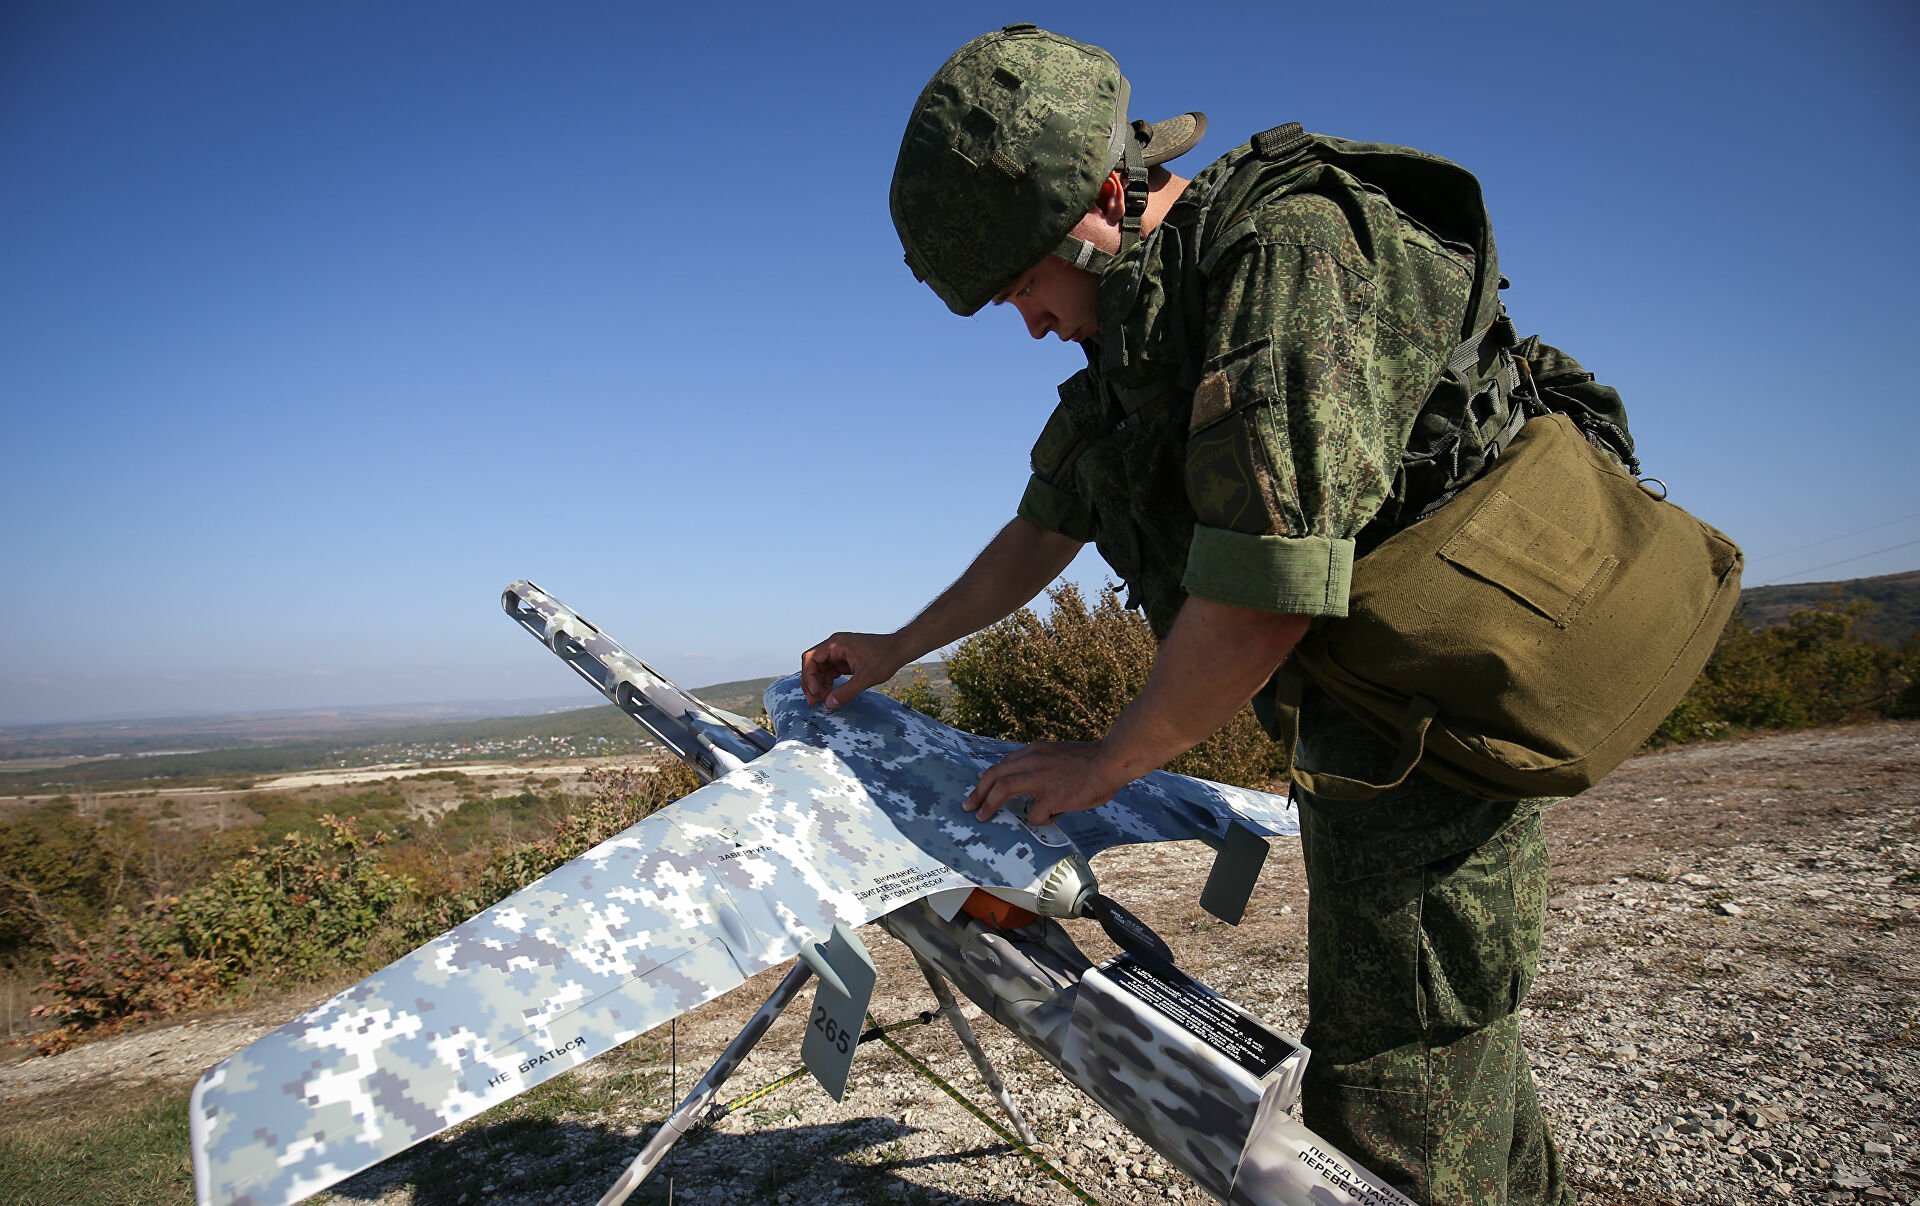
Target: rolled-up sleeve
column 1056, row 510
column 1292, row 447
column 1296, row 575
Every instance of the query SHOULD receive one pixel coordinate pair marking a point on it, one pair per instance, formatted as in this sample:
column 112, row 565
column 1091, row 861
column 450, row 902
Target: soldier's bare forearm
column 1211, row 664
column 1014, row 567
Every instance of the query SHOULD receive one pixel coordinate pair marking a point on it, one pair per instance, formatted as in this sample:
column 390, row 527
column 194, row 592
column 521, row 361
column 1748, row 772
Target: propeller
column 1070, row 890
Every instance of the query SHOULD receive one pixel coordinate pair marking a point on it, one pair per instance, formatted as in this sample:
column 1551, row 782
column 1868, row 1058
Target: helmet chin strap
column 1136, row 194
column 1084, row 255
column 1087, row 257
column 1114, row 352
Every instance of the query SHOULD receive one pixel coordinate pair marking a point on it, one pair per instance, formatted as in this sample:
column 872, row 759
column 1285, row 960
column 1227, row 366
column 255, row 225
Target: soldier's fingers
column 857, row 681
column 814, row 680
column 1004, row 787
column 994, row 774
column 1014, row 757
column 973, row 798
column 978, row 795
column 820, row 665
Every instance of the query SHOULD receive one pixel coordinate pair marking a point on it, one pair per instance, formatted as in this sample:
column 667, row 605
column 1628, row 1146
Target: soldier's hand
column 1053, row 776
column 866, row 658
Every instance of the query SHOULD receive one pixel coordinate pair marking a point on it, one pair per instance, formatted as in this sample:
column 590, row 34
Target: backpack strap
column 1288, row 684
column 1513, row 396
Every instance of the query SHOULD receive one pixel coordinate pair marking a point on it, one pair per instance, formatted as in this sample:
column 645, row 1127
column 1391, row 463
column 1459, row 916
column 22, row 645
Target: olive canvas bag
column 1528, row 636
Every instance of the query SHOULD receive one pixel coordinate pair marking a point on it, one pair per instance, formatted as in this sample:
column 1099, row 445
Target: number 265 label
column 834, row 1032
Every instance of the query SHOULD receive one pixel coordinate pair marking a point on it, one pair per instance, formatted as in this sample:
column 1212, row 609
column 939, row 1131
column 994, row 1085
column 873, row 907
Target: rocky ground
column 1728, row 1011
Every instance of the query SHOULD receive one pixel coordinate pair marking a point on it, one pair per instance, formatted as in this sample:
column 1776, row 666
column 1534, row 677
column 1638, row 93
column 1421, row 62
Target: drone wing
column 920, row 769
column 725, row 883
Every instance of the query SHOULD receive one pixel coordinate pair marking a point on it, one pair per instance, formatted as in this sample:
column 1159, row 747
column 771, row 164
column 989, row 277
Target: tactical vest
column 1129, row 410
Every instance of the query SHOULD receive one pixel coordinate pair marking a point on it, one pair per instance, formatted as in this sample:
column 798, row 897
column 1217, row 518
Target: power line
column 1829, row 565
column 1830, row 539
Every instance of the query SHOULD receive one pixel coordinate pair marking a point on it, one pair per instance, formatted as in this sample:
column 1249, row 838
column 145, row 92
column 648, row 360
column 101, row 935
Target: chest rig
column 1130, row 408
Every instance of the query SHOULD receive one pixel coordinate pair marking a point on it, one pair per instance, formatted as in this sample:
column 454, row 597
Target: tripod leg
column 696, row 1103
column 951, row 1009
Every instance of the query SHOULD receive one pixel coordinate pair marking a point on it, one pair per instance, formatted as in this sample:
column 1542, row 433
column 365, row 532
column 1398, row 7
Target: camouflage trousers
column 1418, row 960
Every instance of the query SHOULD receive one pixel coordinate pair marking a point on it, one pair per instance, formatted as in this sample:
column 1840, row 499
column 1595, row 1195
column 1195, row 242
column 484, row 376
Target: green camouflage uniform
column 1270, row 392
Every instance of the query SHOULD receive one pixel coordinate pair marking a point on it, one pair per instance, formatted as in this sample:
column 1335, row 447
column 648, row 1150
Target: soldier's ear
column 1110, row 203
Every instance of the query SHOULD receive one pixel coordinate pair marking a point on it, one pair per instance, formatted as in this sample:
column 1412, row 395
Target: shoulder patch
column 1057, row 448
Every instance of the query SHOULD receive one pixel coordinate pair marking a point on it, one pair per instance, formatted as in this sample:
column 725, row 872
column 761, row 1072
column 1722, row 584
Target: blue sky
column 321, row 322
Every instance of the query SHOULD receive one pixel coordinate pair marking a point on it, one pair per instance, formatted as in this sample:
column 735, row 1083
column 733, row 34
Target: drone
column 798, row 837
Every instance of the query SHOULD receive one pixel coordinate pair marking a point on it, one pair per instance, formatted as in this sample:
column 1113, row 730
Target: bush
column 62, row 873
column 293, row 909
column 304, row 906
column 1809, row 671
column 1067, row 677
column 1906, row 705
column 113, row 978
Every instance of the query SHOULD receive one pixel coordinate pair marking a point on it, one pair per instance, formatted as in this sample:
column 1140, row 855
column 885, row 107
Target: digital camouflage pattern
column 851, row 815
column 1177, row 1094
column 914, row 766
column 918, row 769
column 1183, row 1091
column 1211, row 1118
column 1005, row 150
column 1274, row 389
column 1262, row 388
column 709, row 740
column 725, row 883
column 1422, row 942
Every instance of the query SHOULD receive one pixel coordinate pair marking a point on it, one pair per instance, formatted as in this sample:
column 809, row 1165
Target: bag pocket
column 1531, row 558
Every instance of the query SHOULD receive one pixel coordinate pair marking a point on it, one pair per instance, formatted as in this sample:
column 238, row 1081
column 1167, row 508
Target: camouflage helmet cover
column 1005, row 151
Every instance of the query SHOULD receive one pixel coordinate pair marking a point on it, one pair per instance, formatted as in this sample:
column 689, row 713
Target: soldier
column 1289, row 357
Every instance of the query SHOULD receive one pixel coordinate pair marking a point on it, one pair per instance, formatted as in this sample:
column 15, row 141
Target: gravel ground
column 1728, row 1011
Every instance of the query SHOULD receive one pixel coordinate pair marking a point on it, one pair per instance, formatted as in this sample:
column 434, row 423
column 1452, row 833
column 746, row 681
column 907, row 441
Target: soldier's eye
column 1011, row 293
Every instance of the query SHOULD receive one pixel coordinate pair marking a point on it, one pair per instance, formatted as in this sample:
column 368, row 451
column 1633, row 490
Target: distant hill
column 231, row 730
column 226, row 749
column 573, row 733
column 1895, row 597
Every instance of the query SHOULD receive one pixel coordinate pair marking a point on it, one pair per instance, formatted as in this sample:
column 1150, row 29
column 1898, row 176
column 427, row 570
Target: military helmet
column 1006, row 150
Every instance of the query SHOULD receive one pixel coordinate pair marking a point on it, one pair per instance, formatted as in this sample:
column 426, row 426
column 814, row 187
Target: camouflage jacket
column 1270, row 388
